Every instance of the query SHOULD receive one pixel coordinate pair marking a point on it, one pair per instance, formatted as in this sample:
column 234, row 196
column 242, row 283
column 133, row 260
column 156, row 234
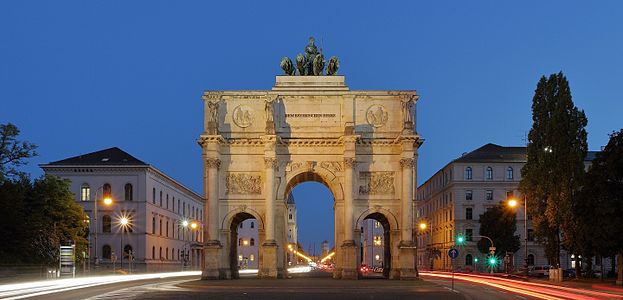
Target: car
column 364, row 269
column 539, row 271
column 568, row 273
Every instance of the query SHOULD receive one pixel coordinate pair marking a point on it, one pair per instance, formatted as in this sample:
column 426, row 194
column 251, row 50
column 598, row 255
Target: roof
column 493, row 152
column 111, row 156
column 290, row 199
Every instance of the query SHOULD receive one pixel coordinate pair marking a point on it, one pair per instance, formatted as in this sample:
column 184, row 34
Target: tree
column 499, row 223
column 602, row 201
column 554, row 171
column 12, row 151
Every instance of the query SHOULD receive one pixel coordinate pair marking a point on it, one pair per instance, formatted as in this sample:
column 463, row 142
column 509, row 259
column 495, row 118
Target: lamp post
column 107, row 201
column 124, row 222
column 513, row 203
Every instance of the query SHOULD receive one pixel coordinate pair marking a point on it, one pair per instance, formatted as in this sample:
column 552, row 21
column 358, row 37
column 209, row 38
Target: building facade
column 452, row 200
column 248, row 245
column 372, row 243
column 165, row 219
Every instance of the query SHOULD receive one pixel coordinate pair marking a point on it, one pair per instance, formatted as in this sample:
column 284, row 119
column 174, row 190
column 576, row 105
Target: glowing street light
column 512, row 203
column 124, row 223
column 107, row 201
column 422, row 226
column 193, row 225
column 185, row 223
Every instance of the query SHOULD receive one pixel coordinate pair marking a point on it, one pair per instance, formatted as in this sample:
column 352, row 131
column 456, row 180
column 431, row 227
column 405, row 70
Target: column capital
column 407, row 163
column 271, row 162
column 350, row 162
column 213, row 163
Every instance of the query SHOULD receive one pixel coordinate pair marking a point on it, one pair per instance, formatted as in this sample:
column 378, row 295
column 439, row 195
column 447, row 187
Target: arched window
column 252, row 224
column 160, row 253
column 167, row 253
column 530, row 260
column 106, row 223
column 106, row 252
column 153, row 225
column 127, row 250
column 468, row 260
column 107, row 190
column 85, row 192
column 509, row 173
column 128, row 192
column 160, row 227
column 160, row 198
column 468, row 173
column 153, row 252
column 489, row 173
column 167, row 231
column 252, row 242
column 153, row 195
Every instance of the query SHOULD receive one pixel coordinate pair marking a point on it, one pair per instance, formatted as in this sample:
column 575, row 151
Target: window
column 106, row 252
column 178, row 206
column 167, row 201
column 509, row 173
column 468, row 173
column 241, row 225
column 167, row 230
column 531, row 235
column 160, row 253
column 106, row 223
column 252, row 242
column 252, row 257
column 153, row 252
column 252, row 224
column 377, row 240
column 510, row 195
column 85, row 192
column 530, row 260
column 489, row 173
column 240, row 257
column 173, row 203
column 469, row 234
column 128, row 192
column 153, row 195
column 107, row 190
column 166, row 253
column 153, row 225
column 160, row 232
column 290, row 216
column 468, row 213
column 240, row 242
column 468, row 260
column 377, row 224
column 160, row 198
column 469, row 195
column 489, row 195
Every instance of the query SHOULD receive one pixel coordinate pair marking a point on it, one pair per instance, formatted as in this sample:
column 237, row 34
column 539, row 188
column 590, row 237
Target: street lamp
column 124, row 223
column 194, row 225
column 422, row 227
column 107, row 200
column 513, row 203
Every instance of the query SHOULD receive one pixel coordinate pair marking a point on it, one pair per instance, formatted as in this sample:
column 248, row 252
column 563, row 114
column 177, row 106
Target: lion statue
column 286, row 66
column 301, row 62
column 334, row 64
column 318, row 64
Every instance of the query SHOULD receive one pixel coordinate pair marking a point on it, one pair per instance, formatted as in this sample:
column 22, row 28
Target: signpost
column 453, row 253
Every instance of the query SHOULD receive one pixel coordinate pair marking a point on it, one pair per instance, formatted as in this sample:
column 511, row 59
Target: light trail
column 327, row 257
column 45, row 287
column 539, row 290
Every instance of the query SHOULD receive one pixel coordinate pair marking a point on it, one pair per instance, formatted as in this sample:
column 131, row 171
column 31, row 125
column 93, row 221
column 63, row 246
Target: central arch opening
column 244, row 250
column 310, row 230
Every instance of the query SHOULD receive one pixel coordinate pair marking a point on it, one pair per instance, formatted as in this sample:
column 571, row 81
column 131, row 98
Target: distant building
column 453, row 199
column 292, row 230
column 372, row 243
column 155, row 204
column 248, row 244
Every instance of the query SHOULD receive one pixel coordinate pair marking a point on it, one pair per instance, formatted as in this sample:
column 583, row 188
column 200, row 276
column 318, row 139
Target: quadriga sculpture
column 300, row 64
column 318, row 64
column 334, row 64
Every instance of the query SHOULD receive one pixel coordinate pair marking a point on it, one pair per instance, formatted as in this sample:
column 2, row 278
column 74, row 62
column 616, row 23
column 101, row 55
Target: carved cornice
column 407, row 163
column 212, row 95
column 350, row 162
column 271, row 162
column 313, row 142
column 213, row 163
column 207, row 139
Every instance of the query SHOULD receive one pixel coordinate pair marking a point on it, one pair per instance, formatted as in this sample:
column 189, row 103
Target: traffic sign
column 453, row 253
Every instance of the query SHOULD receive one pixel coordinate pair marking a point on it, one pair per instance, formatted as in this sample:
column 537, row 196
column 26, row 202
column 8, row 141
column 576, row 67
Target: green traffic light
column 460, row 239
column 492, row 261
column 476, row 259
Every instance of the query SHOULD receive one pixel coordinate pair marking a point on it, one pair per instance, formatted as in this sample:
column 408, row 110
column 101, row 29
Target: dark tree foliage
column 499, row 223
column 599, row 211
column 12, row 151
column 554, row 171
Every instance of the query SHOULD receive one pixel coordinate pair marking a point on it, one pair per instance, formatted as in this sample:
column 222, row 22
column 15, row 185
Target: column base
column 349, row 260
column 268, row 264
column 406, row 269
column 211, row 269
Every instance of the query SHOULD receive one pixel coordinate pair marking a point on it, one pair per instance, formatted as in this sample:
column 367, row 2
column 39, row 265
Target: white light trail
column 39, row 288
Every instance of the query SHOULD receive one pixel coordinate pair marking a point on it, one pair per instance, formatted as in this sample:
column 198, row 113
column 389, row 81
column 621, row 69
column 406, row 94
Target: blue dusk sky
column 80, row 76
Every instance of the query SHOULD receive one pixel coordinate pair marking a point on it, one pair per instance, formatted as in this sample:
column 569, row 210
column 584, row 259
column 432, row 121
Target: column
column 349, row 165
column 271, row 165
column 407, row 199
column 212, row 165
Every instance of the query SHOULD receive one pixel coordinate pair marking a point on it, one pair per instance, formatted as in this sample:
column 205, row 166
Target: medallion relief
column 376, row 183
column 243, row 116
column 376, row 115
column 243, row 184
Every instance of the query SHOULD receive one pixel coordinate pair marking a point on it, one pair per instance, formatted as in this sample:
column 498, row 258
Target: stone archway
column 257, row 145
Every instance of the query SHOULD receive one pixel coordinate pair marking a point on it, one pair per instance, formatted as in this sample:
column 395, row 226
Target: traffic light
column 475, row 259
column 492, row 261
column 460, row 240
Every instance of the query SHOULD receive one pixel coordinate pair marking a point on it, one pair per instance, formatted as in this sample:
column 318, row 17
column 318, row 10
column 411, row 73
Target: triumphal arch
column 258, row 145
